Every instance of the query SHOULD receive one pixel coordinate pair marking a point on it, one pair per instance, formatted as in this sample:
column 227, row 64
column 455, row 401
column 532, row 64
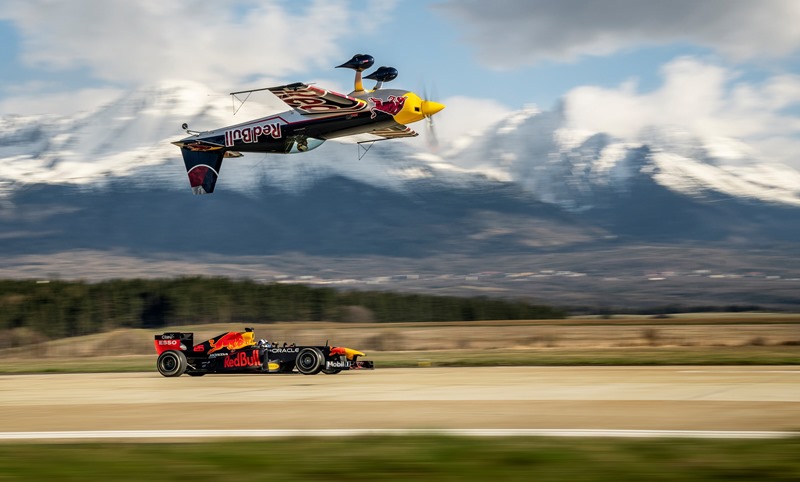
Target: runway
column 578, row 400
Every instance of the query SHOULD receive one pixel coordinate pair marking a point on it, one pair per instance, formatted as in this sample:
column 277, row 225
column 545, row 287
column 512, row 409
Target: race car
column 238, row 352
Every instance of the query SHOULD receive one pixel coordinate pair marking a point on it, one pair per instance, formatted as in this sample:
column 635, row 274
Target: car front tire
column 309, row 361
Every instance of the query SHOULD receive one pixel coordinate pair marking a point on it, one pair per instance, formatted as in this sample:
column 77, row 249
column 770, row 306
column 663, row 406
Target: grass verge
column 409, row 458
column 725, row 355
column 643, row 356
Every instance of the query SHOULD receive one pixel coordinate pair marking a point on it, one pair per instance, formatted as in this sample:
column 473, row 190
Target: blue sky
column 736, row 61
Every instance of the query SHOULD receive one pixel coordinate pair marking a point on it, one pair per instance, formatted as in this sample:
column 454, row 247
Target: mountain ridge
column 530, row 190
column 538, row 150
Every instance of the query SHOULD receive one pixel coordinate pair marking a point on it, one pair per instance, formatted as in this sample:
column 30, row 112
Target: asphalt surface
column 578, row 398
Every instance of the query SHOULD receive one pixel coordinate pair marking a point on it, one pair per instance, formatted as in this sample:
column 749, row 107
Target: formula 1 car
column 238, row 352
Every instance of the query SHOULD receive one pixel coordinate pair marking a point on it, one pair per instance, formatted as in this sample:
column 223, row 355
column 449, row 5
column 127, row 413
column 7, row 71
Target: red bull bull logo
column 347, row 352
column 392, row 105
column 241, row 360
column 232, row 341
column 337, row 350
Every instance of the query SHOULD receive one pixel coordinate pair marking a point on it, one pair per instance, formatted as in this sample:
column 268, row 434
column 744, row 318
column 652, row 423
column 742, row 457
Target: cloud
column 704, row 99
column 59, row 103
column 149, row 40
column 509, row 33
column 466, row 116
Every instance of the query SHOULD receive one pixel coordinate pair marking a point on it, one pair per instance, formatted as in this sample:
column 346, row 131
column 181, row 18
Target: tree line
column 73, row 308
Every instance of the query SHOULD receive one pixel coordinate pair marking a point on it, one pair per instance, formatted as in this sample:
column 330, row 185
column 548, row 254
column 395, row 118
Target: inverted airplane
column 316, row 115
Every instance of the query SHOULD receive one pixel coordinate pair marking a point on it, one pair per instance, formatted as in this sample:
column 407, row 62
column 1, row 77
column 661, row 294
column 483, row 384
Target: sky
column 718, row 68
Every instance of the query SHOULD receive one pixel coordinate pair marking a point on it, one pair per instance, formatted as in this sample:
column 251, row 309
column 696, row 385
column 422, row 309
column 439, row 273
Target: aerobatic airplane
column 316, row 115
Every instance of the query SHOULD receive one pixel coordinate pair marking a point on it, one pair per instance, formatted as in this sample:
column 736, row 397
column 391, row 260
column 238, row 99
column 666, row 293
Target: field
column 405, row 458
column 747, row 339
column 750, row 339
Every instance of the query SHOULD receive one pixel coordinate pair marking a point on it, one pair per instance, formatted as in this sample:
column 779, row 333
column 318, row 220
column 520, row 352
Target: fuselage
column 291, row 131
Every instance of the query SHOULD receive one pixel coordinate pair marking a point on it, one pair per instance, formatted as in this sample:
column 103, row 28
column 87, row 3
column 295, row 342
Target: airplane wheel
column 171, row 363
column 309, row 361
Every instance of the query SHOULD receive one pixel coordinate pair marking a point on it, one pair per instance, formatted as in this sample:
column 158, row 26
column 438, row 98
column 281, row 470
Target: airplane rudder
column 203, row 169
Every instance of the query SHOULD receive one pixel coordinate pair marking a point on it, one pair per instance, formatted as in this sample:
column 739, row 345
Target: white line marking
column 741, row 371
column 257, row 433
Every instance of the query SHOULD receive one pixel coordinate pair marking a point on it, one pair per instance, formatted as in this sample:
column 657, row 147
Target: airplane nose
column 430, row 107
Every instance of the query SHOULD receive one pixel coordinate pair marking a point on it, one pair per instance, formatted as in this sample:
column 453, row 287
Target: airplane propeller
column 429, row 108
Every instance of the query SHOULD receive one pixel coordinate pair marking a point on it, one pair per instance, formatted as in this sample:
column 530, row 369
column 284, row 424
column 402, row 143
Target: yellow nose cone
column 415, row 109
column 430, row 107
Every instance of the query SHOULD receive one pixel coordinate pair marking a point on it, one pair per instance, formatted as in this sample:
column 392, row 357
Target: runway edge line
column 272, row 433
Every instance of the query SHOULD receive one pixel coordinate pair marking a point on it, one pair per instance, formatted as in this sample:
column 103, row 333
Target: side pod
column 203, row 169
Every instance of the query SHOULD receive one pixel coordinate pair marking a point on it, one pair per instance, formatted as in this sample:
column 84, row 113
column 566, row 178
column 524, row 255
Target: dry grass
column 568, row 336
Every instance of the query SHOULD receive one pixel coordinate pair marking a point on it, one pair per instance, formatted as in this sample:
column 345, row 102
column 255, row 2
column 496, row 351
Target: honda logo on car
column 242, row 359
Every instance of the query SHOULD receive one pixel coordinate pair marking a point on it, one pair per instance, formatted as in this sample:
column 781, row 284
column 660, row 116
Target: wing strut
column 365, row 146
column 363, row 150
column 235, row 97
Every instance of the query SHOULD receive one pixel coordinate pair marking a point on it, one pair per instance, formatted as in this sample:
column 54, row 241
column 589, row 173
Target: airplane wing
column 394, row 132
column 381, row 134
column 308, row 99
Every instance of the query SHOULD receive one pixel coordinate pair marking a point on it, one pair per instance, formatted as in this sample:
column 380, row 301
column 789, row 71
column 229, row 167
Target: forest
column 72, row 308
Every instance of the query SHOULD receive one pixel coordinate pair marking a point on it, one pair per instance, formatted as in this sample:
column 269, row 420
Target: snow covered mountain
column 129, row 140
column 534, row 154
column 530, row 193
column 567, row 166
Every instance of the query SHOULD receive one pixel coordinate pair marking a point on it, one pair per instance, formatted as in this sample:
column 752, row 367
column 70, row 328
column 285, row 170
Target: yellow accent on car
column 350, row 353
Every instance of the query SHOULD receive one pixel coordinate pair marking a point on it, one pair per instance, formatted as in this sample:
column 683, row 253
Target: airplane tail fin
column 203, row 169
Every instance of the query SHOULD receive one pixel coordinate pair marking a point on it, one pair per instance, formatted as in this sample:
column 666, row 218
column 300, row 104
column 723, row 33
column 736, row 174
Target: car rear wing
column 173, row 341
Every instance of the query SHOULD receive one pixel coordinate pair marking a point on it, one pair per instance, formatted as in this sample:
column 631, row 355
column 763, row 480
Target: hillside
column 530, row 208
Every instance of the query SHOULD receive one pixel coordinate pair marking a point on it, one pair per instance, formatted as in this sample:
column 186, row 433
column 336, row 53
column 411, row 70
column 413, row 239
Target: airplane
column 316, row 115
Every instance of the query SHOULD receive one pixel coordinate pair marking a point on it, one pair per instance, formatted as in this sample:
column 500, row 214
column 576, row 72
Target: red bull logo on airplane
column 250, row 135
column 392, row 105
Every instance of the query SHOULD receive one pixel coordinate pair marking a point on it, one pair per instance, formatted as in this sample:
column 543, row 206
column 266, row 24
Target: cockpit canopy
column 302, row 143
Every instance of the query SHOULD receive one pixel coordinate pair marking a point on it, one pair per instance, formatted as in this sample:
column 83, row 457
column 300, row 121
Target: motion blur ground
column 419, row 457
column 630, row 398
column 743, row 402
column 735, row 401
column 586, row 400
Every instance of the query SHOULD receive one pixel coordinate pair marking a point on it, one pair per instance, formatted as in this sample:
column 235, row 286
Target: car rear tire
column 309, row 361
column 171, row 363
